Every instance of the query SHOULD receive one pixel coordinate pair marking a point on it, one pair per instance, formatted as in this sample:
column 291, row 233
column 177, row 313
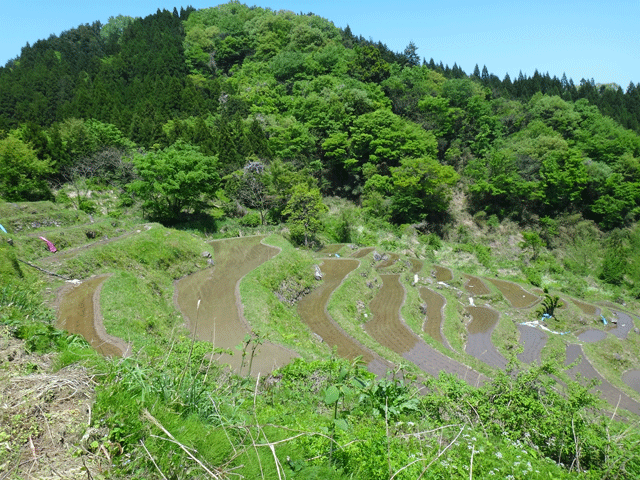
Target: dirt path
column 79, row 313
column 313, row 311
column 479, row 344
column 533, row 341
column 515, row 294
column 219, row 318
column 607, row 391
column 68, row 253
column 388, row 329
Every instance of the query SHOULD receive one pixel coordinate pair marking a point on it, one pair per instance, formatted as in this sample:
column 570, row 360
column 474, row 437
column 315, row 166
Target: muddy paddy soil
column 313, row 311
column 517, row 296
column 479, row 344
column 79, row 313
column 442, row 274
column 475, row 286
column 435, row 306
column 610, row 393
column 632, row 378
column 534, row 341
column 388, row 329
column 210, row 303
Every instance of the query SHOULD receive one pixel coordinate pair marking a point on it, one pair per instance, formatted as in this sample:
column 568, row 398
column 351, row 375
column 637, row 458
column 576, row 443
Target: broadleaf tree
column 175, row 180
column 303, row 211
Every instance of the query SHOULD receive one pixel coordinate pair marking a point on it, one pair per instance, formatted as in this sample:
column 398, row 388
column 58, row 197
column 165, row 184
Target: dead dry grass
column 45, row 418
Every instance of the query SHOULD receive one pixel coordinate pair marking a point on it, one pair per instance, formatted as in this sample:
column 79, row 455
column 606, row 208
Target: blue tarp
column 2, row 228
column 604, row 320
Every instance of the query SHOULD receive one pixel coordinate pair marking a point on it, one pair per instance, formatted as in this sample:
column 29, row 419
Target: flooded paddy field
column 79, row 313
column 313, row 310
column 517, row 296
column 479, row 344
column 210, row 302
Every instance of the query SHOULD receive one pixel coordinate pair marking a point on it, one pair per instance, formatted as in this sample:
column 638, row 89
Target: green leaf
column 331, row 395
column 341, row 424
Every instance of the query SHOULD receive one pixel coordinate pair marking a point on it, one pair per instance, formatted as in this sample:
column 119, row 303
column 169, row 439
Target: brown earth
column 44, row 417
column 475, row 286
column 607, row 391
column 210, row 303
column 433, row 323
column 515, row 294
column 442, row 274
column 363, row 252
column 388, row 328
column 479, row 344
column 313, row 311
column 79, row 313
column 586, row 307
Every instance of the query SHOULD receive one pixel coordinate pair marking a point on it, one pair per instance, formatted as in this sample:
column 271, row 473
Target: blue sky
column 586, row 38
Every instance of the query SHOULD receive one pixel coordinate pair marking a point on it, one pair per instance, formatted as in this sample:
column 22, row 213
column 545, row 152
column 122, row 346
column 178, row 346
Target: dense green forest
column 385, row 129
column 235, row 120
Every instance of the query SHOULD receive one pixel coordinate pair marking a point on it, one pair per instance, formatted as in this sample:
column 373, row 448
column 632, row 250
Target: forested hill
column 386, row 129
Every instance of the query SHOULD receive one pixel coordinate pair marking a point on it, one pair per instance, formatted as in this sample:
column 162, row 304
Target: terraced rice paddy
column 313, row 311
column 479, row 345
column 515, row 294
column 79, row 313
column 433, row 323
column 211, row 305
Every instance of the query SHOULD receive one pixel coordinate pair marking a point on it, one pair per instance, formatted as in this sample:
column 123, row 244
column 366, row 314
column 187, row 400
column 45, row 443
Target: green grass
column 268, row 315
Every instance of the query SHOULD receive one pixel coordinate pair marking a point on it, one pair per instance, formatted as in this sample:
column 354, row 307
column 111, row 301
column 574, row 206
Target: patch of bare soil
column 313, row 311
column 211, row 304
column 608, row 392
column 475, row 286
column 515, row 294
column 44, row 418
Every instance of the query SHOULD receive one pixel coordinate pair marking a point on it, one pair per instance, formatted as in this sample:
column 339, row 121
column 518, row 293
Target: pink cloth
column 51, row 246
